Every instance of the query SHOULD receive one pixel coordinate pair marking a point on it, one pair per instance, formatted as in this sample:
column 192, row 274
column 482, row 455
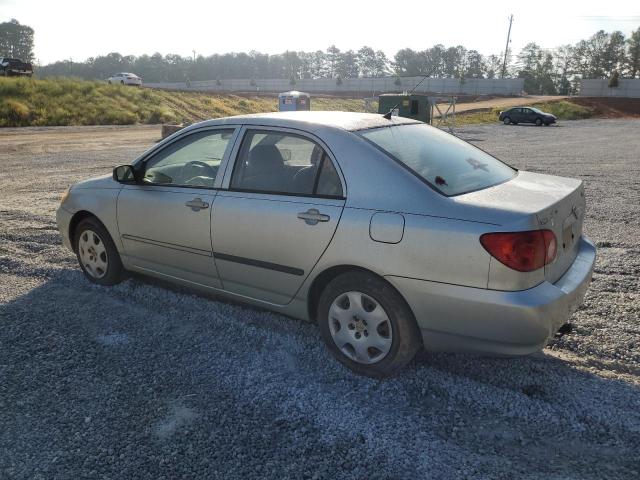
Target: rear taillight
column 522, row 251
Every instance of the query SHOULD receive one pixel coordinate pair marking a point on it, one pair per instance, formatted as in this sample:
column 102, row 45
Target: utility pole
column 506, row 49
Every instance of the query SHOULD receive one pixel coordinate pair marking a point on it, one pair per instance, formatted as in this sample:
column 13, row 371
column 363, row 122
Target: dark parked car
column 14, row 67
column 517, row 115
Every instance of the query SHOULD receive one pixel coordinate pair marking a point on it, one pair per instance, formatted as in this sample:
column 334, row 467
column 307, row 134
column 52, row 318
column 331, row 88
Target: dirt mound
column 606, row 107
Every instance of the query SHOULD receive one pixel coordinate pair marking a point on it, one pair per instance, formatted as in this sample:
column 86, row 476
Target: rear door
column 165, row 220
column 282, row 203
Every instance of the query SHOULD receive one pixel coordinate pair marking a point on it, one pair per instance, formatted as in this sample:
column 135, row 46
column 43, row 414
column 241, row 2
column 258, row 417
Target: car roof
column 350, row 121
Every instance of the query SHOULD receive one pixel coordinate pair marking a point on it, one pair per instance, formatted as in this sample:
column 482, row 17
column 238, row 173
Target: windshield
column 450, row 165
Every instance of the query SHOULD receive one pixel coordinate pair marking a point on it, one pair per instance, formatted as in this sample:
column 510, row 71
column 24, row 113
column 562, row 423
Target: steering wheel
column 210, row 171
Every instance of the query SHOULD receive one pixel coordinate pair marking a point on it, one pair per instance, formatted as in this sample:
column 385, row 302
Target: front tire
column 506, row 121
column 538, row 122
column 97, row 254
column 367, row 325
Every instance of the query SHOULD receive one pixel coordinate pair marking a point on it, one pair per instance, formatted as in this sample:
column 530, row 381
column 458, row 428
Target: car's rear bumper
column 63, row 218
column 457, row 318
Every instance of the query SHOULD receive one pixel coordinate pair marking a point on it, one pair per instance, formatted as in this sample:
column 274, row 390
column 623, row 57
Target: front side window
column 192, row 161
column 450, row 165
column 284, row 163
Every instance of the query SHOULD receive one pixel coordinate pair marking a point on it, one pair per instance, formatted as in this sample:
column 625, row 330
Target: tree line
column 545, row 71
column 16, row 41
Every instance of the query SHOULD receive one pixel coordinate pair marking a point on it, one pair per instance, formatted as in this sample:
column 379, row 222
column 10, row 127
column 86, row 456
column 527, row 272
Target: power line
column 614, row 18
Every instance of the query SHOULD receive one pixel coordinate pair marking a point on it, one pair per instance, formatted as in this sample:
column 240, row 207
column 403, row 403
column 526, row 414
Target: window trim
column 420, row 177
column 154, row 151
column 251, row 128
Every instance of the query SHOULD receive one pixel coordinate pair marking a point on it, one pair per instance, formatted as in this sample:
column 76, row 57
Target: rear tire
column 97, row 254
column 367, row 325
column 506, row 121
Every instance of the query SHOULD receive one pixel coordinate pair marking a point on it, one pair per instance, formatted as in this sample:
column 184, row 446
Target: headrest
column 264, row 159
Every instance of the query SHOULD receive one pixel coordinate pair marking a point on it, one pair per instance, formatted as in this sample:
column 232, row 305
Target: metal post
column 506, row 48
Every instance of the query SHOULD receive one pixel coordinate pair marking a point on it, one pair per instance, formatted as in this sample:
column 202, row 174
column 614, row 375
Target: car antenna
column 424, row 77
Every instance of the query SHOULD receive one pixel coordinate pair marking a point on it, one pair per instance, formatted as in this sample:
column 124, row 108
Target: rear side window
column 284, row 163
column 450, row 165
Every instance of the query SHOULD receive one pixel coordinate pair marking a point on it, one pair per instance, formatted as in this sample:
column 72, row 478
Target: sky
column 78, row 29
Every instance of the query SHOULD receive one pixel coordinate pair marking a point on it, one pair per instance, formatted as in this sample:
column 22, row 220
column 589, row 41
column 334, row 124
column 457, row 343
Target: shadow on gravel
column 140, row 381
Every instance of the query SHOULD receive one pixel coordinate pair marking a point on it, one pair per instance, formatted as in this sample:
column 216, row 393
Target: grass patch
column 565, row 110
column 69, row 101
column 474, row 118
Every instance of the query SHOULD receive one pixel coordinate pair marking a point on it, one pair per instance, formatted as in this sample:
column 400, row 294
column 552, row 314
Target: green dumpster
column 414, row 106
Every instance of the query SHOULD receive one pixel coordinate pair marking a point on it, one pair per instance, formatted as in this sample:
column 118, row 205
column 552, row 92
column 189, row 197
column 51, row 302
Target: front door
column 528, row 116
column 273, row 223
column 165, row 219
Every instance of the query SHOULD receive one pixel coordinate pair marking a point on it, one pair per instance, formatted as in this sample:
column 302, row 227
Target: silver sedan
column 390, row 234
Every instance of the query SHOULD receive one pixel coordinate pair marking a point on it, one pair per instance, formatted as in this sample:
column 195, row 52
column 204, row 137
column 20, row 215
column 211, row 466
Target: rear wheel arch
column 322, row 280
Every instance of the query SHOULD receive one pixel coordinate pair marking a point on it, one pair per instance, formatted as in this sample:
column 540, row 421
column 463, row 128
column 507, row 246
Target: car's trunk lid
column 564, row 218
column 534, row 200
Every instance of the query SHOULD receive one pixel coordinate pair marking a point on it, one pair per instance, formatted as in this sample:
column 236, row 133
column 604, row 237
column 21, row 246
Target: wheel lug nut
column 351, row 326
column 357, row 334
column 366, row 334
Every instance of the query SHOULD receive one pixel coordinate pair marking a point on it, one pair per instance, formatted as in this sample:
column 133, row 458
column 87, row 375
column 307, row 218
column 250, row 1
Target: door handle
column 197, row 204
column 313, row 216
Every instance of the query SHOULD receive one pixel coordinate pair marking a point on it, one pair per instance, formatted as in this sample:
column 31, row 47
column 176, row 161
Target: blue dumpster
column 294, row 100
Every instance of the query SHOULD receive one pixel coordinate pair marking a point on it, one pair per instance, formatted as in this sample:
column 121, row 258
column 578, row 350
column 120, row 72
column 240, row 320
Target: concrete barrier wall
column 627, row 87
column 361, row 86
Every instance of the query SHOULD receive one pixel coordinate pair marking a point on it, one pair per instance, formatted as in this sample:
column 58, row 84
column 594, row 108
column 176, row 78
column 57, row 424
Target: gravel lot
column 145, row 381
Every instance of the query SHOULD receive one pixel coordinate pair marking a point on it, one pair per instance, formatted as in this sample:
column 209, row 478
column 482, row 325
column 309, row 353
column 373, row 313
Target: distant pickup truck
column 10, row 67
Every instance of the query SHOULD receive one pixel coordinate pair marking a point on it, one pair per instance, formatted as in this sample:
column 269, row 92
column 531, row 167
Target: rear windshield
column 450, row 165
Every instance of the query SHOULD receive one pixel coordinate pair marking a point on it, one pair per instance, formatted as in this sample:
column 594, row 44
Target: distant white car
column 125, row 79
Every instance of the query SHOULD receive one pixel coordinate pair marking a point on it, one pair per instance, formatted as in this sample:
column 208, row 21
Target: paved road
column 143, row 381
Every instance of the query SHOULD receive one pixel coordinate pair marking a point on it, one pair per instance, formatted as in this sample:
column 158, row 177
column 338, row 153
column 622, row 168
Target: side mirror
column 124, row 174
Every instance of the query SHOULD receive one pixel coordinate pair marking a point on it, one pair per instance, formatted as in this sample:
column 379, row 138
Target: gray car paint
column 437, row 253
